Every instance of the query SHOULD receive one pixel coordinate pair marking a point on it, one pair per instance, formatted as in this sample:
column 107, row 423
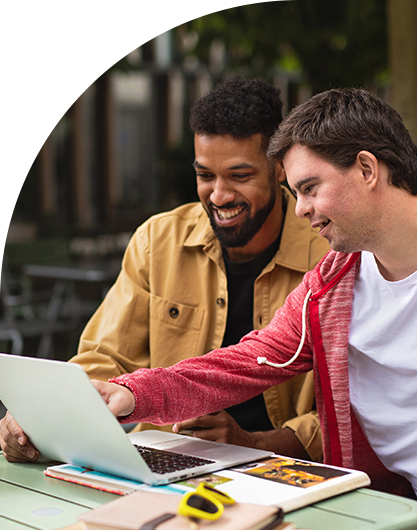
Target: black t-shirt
column 250, row 415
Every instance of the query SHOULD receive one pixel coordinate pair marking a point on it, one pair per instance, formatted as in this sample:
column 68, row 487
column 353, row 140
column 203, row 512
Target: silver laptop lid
column 67, row 420
column 65, row 417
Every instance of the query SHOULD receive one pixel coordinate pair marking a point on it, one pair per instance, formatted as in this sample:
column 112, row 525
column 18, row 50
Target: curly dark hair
column 339, row 123
column 239, row 107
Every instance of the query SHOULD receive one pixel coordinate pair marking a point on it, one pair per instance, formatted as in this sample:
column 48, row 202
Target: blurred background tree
column 333, row 44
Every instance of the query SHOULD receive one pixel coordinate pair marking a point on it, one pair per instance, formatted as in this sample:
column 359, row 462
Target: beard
column 234, row 237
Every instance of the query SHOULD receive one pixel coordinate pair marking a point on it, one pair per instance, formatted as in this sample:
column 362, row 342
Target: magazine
column 276, row 481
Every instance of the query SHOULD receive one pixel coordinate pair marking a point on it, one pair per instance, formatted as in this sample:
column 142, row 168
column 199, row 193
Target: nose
column 303, row 208
column 222, row 193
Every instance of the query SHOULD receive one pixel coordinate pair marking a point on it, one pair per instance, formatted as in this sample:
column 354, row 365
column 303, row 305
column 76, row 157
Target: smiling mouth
column 324, row 224
column 320, row 226
column 225, row 215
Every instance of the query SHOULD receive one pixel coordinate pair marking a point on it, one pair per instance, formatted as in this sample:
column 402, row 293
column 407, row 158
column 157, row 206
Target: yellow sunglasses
column 205, row 502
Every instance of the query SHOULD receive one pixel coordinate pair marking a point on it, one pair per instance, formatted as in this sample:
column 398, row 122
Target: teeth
column 324, row 224
column 228, row 214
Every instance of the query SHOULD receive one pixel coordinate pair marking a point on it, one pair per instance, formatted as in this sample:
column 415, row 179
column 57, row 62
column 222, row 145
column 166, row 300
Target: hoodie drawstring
column 263, row 360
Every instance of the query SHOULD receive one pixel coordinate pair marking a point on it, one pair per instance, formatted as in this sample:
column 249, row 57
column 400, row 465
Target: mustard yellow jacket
column 170, row 302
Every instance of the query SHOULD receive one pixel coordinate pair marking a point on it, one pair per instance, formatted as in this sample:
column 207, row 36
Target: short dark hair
column 339, row 123
column 239, row 107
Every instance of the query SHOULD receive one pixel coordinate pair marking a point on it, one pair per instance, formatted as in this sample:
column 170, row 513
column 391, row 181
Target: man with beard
column 203, row 275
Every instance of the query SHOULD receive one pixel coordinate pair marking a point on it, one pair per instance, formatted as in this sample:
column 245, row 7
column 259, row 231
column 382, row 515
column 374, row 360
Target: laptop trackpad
column 180, row 443
column 197, row 448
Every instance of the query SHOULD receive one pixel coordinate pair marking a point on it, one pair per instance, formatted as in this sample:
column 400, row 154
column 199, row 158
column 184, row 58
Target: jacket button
column 221, row 302
column 174, row 312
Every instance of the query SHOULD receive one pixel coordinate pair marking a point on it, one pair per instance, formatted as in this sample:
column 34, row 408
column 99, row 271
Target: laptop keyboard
column 166, row 462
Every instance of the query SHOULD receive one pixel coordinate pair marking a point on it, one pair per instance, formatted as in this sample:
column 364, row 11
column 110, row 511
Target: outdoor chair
column 33, row 314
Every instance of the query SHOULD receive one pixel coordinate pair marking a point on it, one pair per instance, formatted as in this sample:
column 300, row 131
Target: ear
column 280, row 171
column 369, row 167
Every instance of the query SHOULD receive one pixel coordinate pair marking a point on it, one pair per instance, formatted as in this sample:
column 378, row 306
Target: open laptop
column 67, row 420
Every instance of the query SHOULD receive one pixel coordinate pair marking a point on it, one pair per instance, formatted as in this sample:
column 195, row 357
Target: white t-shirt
column 383, row 366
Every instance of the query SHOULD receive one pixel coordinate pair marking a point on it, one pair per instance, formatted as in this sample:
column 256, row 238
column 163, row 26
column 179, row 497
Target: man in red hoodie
column 353, row 166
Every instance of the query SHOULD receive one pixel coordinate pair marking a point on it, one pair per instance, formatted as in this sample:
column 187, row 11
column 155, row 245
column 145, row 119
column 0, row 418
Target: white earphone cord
column 263, row 360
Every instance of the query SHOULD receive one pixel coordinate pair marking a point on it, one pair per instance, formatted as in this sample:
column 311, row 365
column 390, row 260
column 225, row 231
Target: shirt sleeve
column 307, row 430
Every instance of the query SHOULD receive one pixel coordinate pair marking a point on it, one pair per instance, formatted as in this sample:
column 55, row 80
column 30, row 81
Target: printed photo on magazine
column 298, row 473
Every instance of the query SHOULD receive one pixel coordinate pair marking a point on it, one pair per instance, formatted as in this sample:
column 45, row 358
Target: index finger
column 12, row 428
column 14, row 443
column 196, row 424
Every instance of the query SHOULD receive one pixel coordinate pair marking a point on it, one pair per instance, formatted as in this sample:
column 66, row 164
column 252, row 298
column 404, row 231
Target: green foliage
column 343, row 43
column 333, row 42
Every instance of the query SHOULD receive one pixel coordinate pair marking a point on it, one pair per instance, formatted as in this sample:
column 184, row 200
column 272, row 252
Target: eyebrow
column 243, row 165
column 302, row 183
column 197, row 165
